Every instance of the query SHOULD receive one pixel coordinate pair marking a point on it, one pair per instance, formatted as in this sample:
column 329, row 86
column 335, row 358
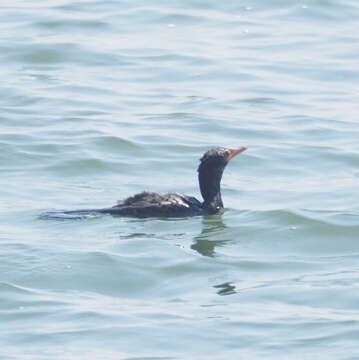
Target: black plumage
column 149, row 204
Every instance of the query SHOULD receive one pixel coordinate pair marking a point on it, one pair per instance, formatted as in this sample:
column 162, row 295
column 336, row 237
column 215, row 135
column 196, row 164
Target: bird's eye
column 226, row 153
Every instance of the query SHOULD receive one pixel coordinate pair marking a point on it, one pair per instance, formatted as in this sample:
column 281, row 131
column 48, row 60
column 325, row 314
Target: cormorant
column 149, row 204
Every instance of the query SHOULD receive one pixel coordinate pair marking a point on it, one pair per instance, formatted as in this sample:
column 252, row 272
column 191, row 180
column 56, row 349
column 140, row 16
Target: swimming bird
column 150, row 204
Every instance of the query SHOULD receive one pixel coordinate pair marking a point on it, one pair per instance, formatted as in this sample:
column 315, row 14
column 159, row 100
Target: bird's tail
column 72, row 214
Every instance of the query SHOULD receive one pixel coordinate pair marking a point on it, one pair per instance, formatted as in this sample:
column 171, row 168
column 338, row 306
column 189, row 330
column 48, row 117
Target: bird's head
column 219, row 157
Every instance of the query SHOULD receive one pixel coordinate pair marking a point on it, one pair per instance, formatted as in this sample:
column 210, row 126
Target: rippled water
column 102, row 99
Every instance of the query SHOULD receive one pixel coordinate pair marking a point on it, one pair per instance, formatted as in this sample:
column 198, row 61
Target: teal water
column 103, row 99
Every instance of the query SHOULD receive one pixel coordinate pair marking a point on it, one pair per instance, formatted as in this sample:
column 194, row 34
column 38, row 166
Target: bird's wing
column 158, row 205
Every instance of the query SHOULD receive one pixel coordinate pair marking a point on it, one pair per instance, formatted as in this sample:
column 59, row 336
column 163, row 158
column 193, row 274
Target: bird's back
column 147, row 204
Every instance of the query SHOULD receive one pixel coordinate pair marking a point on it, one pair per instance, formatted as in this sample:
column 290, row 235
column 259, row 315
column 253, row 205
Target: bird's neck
column 213, row 205
column 210, row 186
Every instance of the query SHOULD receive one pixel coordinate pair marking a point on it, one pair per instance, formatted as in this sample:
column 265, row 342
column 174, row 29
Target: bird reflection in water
column 213, row 235
column 210, row 237
column 225, row 289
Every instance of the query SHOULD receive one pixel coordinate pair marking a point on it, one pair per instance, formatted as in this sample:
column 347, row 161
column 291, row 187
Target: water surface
column 103, row 99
